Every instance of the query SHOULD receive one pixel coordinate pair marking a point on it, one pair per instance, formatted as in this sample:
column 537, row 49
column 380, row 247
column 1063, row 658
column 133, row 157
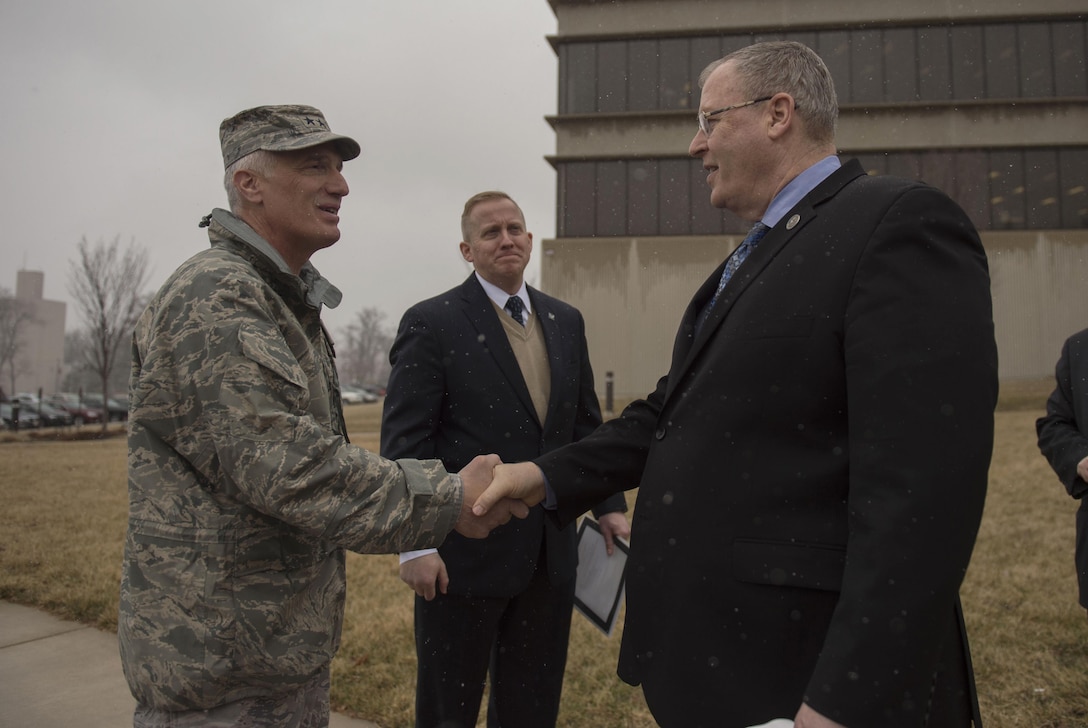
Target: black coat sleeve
column 1063, row 431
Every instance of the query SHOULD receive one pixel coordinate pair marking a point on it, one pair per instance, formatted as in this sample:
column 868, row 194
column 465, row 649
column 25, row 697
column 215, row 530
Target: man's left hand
column 613, row 526
column 808, row 718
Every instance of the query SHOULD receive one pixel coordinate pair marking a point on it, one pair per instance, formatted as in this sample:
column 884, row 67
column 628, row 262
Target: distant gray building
column 39, row 363
column 988, row 101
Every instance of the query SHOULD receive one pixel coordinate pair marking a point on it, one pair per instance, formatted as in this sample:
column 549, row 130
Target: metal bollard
column 608, row 393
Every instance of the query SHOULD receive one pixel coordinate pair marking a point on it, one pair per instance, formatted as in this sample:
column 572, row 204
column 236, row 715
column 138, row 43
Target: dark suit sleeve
column 607, row 462
column 1062, row 438
column 417, row 384
column 921, row 383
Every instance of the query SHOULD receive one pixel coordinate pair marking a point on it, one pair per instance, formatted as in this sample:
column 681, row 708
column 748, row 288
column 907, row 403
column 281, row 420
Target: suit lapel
column 484, row 319
column 781, row 235
column 685, row 341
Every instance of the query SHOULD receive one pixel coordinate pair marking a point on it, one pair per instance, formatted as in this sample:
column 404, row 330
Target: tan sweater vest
column 532, row 355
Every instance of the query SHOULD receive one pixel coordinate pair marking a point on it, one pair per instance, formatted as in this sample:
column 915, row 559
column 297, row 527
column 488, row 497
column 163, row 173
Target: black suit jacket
column 456, row 391
column 812, row 471
column 1063, row 438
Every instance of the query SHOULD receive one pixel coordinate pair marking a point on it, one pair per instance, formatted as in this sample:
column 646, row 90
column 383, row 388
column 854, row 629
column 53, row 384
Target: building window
column 901, row 66
column 1069, row 53
column 1007, row 201
column 1036, row 60
column 1073, row 187
column 611, row 77
column 968, row 63
column 578, row 90
column 1010, row 189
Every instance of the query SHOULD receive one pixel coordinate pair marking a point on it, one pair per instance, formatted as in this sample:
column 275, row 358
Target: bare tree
column 365, row 358
column 78, row 375
column 107, row 285
column 15, row 317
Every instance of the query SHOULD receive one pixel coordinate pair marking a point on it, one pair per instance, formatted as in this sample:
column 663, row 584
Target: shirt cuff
column 550, row 503
column 410, row 555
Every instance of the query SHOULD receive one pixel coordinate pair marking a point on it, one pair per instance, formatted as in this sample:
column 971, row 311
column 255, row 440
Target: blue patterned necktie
column 516, row 309
column 735, row 260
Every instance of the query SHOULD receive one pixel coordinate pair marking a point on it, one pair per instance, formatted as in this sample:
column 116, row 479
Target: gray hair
column 260, row 162
column 765, row 69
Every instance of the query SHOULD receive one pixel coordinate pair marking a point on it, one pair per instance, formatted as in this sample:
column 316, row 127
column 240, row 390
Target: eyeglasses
column 704, row 116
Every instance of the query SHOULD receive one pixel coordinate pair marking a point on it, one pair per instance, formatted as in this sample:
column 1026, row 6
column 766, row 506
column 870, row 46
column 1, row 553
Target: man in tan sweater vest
column 493, row 366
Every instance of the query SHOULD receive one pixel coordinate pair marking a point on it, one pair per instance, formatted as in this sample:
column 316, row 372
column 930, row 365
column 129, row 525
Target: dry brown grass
column 1029, row 636
column 60, row 549
column 64, row 509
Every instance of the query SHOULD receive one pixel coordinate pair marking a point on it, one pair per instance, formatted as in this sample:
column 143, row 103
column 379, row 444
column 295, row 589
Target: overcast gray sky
column 111, row 112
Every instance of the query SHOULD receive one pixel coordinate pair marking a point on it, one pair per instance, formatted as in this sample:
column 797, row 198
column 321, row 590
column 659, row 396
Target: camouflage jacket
column 243, row 488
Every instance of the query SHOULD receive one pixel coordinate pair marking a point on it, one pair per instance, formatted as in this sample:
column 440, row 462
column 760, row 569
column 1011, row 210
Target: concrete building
column 988, row 101
column 39, row 362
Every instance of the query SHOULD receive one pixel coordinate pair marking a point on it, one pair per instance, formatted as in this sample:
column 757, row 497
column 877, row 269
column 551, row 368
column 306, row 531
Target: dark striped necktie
column 516, row 309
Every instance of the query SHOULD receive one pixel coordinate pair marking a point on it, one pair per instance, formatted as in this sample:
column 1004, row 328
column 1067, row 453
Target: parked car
column 116, row 411
column 376, row 389
column 54, row 416
column 350, row 396
column 356, row 395
column 48, row 414
column 81, row 413
column 28, row 419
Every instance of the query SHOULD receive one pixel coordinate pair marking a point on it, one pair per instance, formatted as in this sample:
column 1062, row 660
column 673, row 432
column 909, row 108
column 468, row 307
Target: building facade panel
column 987, row 101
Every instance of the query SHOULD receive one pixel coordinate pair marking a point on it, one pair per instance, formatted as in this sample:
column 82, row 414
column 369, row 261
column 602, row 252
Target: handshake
column 494, row 492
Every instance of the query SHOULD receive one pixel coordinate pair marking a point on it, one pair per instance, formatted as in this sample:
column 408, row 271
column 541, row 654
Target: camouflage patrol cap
column 279, row 129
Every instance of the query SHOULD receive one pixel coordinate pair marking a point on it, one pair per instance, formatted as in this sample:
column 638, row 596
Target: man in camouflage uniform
column 243, row 488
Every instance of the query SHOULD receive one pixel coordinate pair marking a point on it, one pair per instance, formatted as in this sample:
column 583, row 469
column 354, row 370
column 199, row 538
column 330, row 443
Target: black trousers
column 521, row 641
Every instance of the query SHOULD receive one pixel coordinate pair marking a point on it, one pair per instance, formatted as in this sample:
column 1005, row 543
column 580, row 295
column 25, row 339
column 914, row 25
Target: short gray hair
column 772, row 67
column 260, row 162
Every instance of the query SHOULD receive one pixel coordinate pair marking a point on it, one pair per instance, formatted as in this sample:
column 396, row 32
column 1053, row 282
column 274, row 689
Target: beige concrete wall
column 690, row 16
column 633, row 291
column 1039, row 281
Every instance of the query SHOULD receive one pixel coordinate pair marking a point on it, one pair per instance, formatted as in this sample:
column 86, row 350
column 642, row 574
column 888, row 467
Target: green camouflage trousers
column 307, row 707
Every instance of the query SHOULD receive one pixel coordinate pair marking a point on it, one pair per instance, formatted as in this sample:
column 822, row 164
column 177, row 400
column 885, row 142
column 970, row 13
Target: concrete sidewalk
column 57, row 674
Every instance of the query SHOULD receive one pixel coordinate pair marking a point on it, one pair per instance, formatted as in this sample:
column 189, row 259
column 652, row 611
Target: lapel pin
column 792, row 222
column 551, row 316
